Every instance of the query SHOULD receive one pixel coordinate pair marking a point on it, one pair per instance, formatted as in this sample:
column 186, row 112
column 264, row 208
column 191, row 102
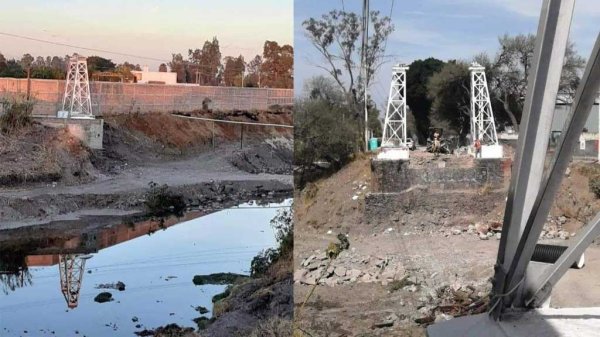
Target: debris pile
column 440, row 303
column 348, row 267
column 359, row 188
column 553, row 229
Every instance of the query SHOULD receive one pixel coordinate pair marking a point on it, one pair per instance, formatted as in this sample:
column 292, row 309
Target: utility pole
column 365, row 43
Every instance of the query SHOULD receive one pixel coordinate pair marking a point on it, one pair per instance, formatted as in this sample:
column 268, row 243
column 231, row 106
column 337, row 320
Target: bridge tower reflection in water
column 71, row 268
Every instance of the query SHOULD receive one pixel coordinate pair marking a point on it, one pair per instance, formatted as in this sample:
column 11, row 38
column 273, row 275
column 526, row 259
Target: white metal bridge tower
column 521, row 284
column 71, row 268
column 394, row 130
column 77, row 100
column 483, row 127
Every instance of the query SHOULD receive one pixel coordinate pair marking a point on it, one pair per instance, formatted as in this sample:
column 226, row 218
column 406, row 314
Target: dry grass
column 274, row 327
column 39, row 153
column 15, row 114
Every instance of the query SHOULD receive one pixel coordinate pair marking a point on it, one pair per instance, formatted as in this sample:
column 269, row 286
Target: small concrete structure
column 545, row 322
column 492, row 151
column 392, row 153
column 154, row 77
column 88, row 130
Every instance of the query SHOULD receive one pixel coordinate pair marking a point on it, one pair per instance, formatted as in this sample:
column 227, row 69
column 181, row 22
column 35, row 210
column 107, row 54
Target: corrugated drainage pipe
column 551, row 253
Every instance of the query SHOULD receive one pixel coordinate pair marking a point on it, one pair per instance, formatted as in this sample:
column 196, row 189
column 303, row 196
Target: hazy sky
column 444, row 29
column 153, row 28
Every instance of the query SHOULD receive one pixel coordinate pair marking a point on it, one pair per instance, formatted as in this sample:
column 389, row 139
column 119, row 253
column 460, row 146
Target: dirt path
column 205, row 167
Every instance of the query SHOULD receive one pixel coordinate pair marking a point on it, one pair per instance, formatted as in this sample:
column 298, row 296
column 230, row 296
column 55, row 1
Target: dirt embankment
column 39, row 153
column 256, row 306
column 428, row 256
column 47, row 173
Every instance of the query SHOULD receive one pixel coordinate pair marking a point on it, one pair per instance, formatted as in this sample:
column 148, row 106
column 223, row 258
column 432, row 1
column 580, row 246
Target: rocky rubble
column 553, row 229
column 348, row 267
column 436, row 299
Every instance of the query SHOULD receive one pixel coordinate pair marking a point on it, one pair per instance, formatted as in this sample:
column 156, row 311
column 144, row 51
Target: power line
column 80, row 47
column 390, row 16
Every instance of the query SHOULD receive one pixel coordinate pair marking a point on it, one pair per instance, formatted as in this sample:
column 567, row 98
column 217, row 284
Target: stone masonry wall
column 393, row 176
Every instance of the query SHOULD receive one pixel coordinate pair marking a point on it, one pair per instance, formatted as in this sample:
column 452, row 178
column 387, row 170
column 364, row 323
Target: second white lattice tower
column 483, row 126
column 77, row 101
column 394, row 129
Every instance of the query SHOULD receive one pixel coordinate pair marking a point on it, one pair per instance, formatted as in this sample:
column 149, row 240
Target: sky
column 149, row 28
column 457, row 29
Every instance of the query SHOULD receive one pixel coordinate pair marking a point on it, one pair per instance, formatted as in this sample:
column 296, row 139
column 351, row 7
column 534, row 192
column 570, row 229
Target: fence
column 116, row 98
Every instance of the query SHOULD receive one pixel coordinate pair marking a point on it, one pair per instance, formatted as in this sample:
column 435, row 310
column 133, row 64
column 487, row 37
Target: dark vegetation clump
column 201, row 310
column 15, row 114
column 171, row 330
column 217, row 278
column 592, row 172
column 103, row 297
column 160, row 201
column 284, row 234
column 594, row 184
column 222, row 295
column 203, row 322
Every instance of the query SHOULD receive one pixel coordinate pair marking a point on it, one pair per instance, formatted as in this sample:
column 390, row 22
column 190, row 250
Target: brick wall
column 111, row 98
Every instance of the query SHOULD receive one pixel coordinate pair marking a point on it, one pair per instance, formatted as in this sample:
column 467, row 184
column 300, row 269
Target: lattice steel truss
column 520, row 283
column 394, row 130
column 71, row 268
column 483, row 126
column 77, row 100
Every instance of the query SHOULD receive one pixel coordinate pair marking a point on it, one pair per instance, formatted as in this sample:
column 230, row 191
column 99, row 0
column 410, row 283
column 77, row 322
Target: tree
column 508, row 73
column 322, row 129
column 449, row 92
column 417, row 98
column 254, row 72
column 27, row 62
column 208, row 62
column 335, row 35
column 59, row 64
column 125, row 69
column 99, row 64
column 13, row 69
column 179, row 65
column 2, row 63
column 234, row 71
column 39, row 62
column 162, row 68
column 277, row 66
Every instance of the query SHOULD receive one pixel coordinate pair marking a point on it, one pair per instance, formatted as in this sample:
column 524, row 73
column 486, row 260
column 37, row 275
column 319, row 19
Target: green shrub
column 261, row 262
column 284, row 234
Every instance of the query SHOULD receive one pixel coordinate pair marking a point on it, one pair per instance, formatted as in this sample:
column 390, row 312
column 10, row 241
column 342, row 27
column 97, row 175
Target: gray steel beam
column 539, row 288
column 582, row 105
column 534, row 134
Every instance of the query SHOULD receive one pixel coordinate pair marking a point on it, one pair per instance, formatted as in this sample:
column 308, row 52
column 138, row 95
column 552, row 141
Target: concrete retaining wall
column 116, row 98
column 90, row 131
column 391, row 176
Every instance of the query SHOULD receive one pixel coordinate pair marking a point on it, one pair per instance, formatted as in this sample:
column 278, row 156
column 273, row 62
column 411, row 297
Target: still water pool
column 157, row 270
